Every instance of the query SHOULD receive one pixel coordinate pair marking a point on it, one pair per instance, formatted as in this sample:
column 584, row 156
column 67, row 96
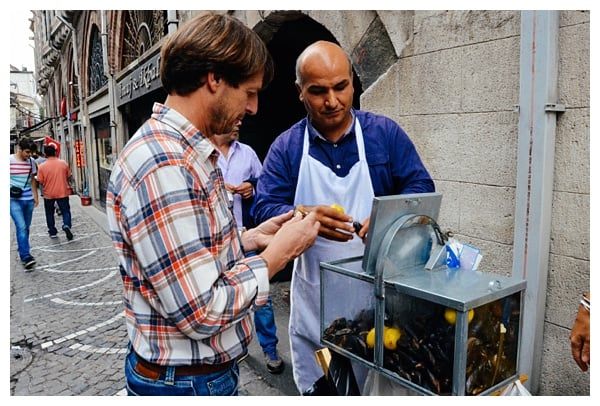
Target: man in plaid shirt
column 189, row 290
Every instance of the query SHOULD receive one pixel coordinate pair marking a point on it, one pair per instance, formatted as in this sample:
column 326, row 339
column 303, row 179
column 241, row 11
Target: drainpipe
column 59, row 129
column 111, row 87
column 538, row 108
column 83, row 114
column 172, row 21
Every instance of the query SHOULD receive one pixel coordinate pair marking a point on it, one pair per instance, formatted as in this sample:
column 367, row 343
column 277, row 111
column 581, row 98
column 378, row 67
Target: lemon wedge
column 371, row 338
column 391, row 336
column 337, row 207
column 450, row 315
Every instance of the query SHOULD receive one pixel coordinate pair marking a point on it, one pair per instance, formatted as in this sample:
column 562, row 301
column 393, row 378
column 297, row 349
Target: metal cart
column 437, row 331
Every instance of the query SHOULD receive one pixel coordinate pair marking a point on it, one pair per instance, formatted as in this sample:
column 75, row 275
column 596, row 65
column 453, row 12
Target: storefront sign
column 79, row 155
column 141, row 81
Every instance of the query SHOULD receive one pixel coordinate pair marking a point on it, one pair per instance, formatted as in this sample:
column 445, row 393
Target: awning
column 35, row 126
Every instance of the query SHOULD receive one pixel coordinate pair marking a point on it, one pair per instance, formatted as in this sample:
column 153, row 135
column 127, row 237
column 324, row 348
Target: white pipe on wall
column 535, row 177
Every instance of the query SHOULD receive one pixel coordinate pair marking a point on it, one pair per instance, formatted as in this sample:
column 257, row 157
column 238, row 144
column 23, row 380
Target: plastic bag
column 341, row 376
column 515, row 389
column 379, row 385
column 339, row 379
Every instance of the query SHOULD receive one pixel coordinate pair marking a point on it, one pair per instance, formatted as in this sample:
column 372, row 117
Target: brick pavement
column 67, row 330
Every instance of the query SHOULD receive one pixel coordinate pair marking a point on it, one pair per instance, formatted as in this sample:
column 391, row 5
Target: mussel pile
column 492, row 345
column 424, row 353
column 351, row 335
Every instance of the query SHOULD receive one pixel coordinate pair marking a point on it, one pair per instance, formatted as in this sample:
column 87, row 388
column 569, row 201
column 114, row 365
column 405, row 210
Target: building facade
column 26, row 114
column 496, row 102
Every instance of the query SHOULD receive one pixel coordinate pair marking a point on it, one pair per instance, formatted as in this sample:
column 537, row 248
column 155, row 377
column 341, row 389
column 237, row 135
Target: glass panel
column 96, row 68
column 143, row 28
column 493, row 344
column 419, row 342
column 346, row 323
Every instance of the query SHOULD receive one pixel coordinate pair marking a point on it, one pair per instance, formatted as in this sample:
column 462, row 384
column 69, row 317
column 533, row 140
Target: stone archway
column 286, row 34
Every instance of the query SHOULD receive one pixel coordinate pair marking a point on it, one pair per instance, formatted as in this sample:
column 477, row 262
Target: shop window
column 143, row 28
column 105, row 154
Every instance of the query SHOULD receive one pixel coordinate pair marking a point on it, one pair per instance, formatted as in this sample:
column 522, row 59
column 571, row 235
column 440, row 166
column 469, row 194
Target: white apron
column 318, row 185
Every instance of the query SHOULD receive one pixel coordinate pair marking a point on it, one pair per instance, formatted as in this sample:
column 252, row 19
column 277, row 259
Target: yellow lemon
column 371, row 338
column 450, row 315
column 337, row 207
column 391, row 336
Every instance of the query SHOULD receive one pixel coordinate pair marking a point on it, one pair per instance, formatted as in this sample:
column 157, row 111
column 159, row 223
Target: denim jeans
column 222, row 383
column 65, row 208
column 266, row 331
column 264, row 323
column 21, row 212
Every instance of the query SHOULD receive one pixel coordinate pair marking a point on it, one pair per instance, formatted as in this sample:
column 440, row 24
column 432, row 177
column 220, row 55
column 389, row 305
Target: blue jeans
column 222, row 383
column 266, row 331
column 65, row 208
column 21, row 212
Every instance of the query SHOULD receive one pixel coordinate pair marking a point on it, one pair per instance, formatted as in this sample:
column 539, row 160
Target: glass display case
column 437, row 331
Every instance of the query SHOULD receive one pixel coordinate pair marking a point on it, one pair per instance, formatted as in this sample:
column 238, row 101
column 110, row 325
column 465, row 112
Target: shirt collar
column 191, row 134
column 313, row 133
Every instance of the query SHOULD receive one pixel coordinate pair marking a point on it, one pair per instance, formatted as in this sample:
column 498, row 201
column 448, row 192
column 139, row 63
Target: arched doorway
column 286, row 34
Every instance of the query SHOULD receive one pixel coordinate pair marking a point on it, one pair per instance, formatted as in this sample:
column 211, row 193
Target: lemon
column 337, row 207
column 391, row 335
column 450, row 315
column 371, row 338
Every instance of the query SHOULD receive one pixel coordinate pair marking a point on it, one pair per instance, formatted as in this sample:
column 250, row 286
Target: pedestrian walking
column 23, row 197
column 54, row 175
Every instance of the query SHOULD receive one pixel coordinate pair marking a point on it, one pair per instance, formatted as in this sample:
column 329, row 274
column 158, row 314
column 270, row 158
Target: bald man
column 334, row 155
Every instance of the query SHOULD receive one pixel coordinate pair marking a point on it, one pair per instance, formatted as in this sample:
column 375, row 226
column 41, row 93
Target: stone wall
column 451, row 80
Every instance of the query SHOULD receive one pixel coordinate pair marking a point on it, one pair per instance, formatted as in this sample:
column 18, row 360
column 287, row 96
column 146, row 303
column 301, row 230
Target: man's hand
column 580, row 339
column 284, row 238
column 362, row 233
column 244, row 189
column 335, row 225
column 267, row 229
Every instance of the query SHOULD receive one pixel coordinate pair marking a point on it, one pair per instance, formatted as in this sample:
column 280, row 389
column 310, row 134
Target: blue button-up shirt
column 394, row 164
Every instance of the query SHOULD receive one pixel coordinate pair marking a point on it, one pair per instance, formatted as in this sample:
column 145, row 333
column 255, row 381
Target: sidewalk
column 67, row 328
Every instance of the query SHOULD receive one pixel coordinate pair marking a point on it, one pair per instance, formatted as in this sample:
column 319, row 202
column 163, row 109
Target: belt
column 153, row 371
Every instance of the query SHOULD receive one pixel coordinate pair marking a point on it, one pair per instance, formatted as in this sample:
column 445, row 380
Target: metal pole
column 111, row 88
column 172, row 21
column 535, row 176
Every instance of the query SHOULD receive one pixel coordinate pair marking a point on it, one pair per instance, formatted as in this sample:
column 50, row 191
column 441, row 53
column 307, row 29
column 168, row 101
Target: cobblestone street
column 67, row 327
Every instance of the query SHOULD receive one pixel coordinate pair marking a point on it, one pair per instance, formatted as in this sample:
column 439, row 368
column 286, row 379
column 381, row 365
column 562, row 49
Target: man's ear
column 213, row 81
column 299, row 89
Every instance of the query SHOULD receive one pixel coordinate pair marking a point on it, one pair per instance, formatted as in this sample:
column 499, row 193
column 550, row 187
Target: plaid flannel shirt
column 188, row 289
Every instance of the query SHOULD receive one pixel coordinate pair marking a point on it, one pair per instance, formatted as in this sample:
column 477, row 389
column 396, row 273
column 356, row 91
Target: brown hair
column 27, row 143
column 217, row 43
